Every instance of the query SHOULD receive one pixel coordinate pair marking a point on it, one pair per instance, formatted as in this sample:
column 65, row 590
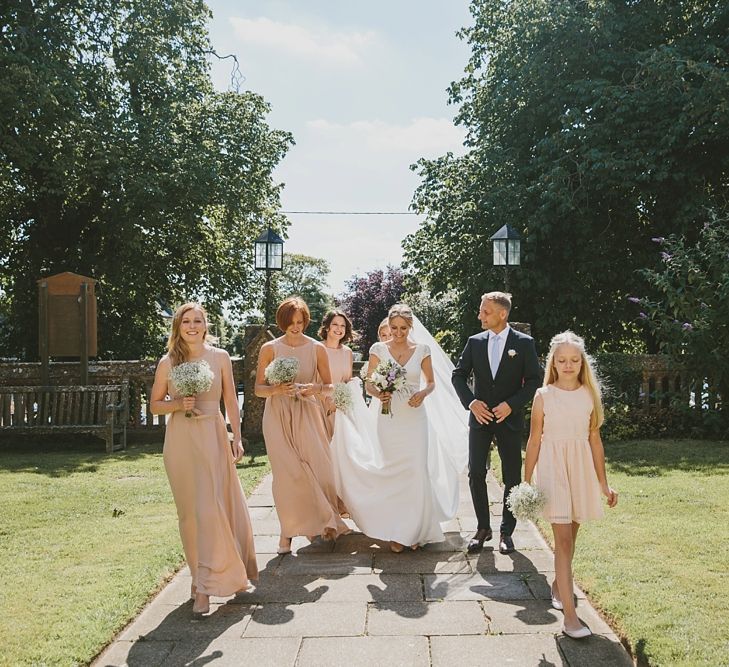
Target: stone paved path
column 355, row 603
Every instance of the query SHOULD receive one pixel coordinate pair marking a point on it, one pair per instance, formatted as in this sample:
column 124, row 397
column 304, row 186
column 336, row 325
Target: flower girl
column 565, row 454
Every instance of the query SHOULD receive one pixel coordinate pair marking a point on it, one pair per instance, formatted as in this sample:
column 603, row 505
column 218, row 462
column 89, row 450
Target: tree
column 438, row 315
column 591, row 127
column 306, row 277
column 690, row 316
column 367, row 299
column 119, row 160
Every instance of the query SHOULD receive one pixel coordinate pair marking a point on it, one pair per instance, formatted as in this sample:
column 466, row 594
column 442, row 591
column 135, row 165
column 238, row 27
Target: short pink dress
column 565, row 470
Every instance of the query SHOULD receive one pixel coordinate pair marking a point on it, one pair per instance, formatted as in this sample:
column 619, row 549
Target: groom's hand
column 502, row 411
column 482, row 412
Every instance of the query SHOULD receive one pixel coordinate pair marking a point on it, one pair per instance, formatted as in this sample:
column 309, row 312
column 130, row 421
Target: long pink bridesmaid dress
column 298, row 449
column 211, row 509
column 340, row 366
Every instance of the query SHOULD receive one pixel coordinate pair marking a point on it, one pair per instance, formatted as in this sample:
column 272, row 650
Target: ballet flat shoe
column 582, row 633
column 556, row 604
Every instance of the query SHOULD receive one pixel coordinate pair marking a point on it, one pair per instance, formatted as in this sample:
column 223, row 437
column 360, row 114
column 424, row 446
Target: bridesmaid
column 294, row 428
column 335, row 331
column 200, row 463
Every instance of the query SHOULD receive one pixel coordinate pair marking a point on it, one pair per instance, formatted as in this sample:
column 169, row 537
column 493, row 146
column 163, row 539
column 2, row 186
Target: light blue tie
column 495, row 356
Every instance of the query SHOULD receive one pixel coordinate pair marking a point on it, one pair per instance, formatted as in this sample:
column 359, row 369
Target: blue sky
column 362, row 87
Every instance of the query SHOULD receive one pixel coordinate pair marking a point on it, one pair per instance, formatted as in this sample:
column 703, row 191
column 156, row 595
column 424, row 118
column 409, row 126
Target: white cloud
column 323, row 44
column 426, row 137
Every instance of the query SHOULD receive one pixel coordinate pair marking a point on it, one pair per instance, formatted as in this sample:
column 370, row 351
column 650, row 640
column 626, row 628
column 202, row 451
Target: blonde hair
column 177, row 348
column 502, row 299
column 401, row 310
column 587, row 376
column 383, row 324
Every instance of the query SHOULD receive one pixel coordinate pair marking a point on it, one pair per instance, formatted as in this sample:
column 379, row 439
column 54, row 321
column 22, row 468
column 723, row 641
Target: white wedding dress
column 398, row 474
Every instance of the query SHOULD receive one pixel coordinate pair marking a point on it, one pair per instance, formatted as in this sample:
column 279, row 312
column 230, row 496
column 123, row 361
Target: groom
column 506, row 374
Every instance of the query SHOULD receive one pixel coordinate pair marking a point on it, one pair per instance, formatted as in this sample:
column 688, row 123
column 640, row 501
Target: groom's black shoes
column 476, row 542
column 506, row 544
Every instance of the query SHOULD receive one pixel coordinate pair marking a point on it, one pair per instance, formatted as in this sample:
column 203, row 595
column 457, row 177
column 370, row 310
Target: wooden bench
column 101, row 410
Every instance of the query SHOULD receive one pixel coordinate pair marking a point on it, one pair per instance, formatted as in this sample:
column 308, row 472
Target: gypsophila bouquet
column 342, row 397
column 191, row 378
column 526, row 502
column 389, row 376
column 363, row 373
column 282, row 370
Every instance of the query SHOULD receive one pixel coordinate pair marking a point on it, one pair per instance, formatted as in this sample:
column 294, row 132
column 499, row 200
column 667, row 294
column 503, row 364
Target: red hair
column 287, row 310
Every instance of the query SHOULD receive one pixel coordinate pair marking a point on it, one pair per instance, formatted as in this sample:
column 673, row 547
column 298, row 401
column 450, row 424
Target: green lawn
column 657, row 566
column 85, row 539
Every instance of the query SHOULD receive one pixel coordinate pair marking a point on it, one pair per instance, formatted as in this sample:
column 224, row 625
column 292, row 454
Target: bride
column 398, row 473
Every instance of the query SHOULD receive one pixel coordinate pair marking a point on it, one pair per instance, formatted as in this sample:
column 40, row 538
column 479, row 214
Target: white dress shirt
column 500, row 340
column 496, row 344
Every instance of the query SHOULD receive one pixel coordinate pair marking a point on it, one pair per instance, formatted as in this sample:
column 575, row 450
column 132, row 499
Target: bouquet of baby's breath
column 526, row 502
column 282, row 370
column 342, row 397
column 389, row 376
column 363, row 373
column 191, row 378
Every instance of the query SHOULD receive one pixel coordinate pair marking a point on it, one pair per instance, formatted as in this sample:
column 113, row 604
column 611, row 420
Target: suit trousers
column 508, row 443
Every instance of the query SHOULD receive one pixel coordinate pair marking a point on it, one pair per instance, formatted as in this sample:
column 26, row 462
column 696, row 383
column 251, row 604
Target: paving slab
column 335, row 588
column 279, row 651
column 270, row 526
column 320, row 619
column 256, row 500
column 261, row 513
column 533, row 560
column 364, row 651
column 269, row 544
column 478, row 586
column 595, row 651
column 426, row 618
column 161, row 622
column 537, row 650
column 135, row 654
column 541, row 587
column 453, row 542
column 422, row 562
column 522, row 617
column 329, row 563
column 357, row 543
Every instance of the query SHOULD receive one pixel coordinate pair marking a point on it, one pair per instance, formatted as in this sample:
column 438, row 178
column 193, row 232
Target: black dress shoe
column 482, row 535
column 506, row 544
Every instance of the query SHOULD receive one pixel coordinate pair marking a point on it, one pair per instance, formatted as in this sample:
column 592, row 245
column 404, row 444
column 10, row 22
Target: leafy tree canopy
column 306, row 277
column 690, row 314
column 120, row 161
column 591, row 127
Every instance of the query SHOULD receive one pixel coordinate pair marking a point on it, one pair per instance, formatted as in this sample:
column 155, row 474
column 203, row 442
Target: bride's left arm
column 426, row 366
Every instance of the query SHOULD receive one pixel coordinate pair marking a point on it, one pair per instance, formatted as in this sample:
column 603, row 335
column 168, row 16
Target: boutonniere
column 512, row 353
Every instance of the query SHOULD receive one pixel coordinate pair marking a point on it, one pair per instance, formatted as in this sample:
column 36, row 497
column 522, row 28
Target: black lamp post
column 507, row 250
column 269, row 257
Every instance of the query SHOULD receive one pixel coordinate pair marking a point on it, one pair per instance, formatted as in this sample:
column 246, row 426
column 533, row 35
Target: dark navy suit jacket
column 517, row 379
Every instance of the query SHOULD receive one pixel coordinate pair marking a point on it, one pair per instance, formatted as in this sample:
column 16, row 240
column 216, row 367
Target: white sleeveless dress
column 381, row 464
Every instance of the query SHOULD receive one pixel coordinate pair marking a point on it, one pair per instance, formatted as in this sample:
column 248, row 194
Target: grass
column 657, row 565
column 85, row 539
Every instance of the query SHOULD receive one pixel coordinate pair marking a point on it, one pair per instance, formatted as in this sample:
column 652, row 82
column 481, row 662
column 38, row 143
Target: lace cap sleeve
column 376, row 349
column 426, row 350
